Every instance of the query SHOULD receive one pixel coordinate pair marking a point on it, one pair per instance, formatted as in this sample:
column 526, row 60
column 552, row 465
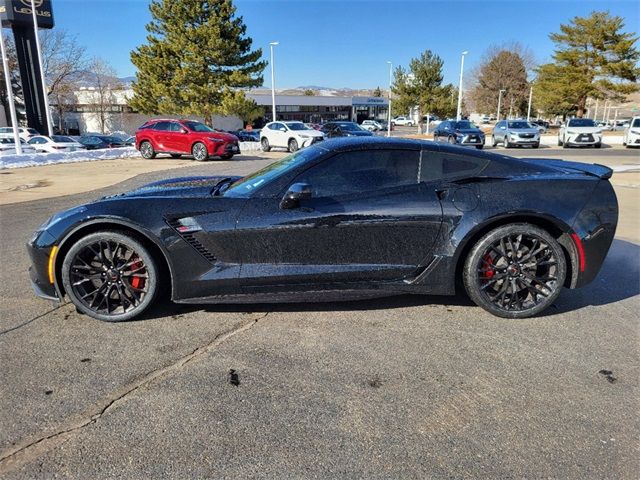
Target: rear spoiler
column 593, row 169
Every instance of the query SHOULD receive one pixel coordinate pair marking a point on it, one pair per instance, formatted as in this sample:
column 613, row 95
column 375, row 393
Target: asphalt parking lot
column 404, row 387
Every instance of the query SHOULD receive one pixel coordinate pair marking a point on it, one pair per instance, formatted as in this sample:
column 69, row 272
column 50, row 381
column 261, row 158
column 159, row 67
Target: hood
column 176, row 187
column 310, row 133
column 524, row 130
column 228, row 137
column 476, row 131
column 584, row 129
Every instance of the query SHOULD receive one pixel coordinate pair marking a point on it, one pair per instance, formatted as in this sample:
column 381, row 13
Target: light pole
column 595, row 113
column 12, row 105
column 273, row 83
column 389, row 113
column 459, row 111
column 530, row 97
column 499, row 101
column 47, row 110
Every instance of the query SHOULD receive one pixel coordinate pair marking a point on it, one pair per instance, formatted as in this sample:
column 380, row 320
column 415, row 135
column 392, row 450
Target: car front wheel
column 293, row 145
column 452, row 140
column 147, row 151
column 199, row 152
column 515, row 271
column 265, row 144
column 110, row 276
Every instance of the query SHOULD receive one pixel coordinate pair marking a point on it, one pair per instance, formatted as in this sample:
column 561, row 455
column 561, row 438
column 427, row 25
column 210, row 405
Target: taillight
column 581, row 258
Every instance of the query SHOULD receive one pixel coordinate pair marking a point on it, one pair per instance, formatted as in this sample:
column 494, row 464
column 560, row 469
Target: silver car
column 512, row 133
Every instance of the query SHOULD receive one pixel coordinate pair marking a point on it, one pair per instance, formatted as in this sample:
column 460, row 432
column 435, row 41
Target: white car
column 289, row 135
column 631, row 135
column 402, row 121
column 25, row 133
column 580, row 131
column 8, row 147
column 371, row 125
column 55, row 144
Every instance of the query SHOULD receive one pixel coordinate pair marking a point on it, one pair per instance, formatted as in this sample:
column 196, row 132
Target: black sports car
column 347, row 218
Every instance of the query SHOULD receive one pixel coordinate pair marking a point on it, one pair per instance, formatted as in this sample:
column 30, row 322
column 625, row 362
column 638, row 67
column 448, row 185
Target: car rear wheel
column 265, row 144
column 199, row 152
column 515, row 271
column 147, row 151
column 110, row 276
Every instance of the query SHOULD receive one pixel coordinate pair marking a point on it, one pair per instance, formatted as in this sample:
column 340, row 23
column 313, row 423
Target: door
column 369, row 220
column 175, row 140
column 160, row 130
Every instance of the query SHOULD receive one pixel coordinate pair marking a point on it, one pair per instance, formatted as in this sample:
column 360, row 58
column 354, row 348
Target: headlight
column 570, row 132
column 635, row 132
column 303, row 136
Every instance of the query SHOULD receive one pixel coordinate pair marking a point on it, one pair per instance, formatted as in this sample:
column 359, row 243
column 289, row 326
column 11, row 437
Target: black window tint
column 162, row 126
column 441, row 166
column 175, row 127
column 362, row 171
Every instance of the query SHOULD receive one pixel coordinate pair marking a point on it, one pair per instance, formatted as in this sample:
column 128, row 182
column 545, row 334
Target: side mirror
column 296, row 193
column 184, row 130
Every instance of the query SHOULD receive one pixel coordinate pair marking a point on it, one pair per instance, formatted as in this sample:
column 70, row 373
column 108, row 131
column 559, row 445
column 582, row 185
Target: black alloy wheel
column 265, row 144
column 199, row 152
column 515, row 271
column 110, row 276
column 147, row 151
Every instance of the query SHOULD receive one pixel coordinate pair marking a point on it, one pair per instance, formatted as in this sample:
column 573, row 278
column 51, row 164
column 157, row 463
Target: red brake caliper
column 137, row 282
column 489, row 272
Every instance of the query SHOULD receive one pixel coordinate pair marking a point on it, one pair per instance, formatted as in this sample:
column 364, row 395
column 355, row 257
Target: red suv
column 184, row 137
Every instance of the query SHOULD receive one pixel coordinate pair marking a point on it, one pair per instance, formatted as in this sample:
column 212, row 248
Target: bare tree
column 63, row 59
column 103, row 94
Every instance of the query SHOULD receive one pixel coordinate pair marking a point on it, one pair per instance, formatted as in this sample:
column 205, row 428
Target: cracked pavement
column 408, row 387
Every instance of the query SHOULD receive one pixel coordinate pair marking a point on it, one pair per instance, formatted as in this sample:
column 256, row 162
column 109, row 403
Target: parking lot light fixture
column 273, row 83
column 499, row 102
column 459, row 111
column 389, row 112
column 530, row 98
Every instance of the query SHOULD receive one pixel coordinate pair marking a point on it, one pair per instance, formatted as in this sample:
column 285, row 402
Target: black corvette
column 348, row 218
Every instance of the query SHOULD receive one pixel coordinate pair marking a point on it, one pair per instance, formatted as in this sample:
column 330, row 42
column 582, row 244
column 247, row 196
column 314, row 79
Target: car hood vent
column 188, row 235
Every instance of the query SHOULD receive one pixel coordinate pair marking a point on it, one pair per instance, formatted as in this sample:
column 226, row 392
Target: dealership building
column 319, row 109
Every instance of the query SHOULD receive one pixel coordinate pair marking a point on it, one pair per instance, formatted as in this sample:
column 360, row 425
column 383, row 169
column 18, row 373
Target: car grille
column 193, row 241
column 527, row 135
column 584, row 137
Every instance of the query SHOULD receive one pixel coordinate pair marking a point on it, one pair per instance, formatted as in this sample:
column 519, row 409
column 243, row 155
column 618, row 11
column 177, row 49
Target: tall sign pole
column 389, row 113
column 43, row 80
column 273, row 83
column 12, row 105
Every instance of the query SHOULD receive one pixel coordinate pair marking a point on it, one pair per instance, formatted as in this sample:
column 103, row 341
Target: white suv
column 25, row 133
column 631, row 135
column 580, row 131
column 403, row 121
column 289, row 135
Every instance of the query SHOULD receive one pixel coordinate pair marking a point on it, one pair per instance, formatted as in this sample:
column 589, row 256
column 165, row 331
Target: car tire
column 264, row 142
column 293, row 145
column 451, row 140
column 507, row 144
column 479, row 147
column 199, row 152
column 520, row 260
column 493, row 141
column 598, row 145
column 536, row 145
column 559, row 142
column 147, row 151
column 176, row 155
column 109, row 254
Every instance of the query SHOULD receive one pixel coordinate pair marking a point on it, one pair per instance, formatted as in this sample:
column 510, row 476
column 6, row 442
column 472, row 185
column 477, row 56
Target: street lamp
column 459, row 111
column 273, row 82
column 389, row 113
column 530, row 98
column 499, row 100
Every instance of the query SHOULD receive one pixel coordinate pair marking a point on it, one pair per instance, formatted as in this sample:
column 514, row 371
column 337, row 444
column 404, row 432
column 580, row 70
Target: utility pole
column 273, row 83
column 499, row 102
column 530, row 97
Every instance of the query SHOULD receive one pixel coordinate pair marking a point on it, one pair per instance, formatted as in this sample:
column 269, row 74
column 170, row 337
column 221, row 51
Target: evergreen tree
column 593, row 58
column 197, row 52
column 309, row 93
column 421, row 86
column 235, row 102
column 377, row 92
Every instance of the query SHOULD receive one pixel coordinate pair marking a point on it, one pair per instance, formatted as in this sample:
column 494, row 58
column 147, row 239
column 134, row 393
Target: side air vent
column 186, row 229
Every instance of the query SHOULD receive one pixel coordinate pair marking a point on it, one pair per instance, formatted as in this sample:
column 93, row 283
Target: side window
column 274, row 126
column 175, row 127
column 442, row 166
column 362, row 171
column 161, row 126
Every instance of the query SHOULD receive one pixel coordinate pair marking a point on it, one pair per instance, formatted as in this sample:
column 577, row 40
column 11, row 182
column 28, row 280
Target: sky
column 347, row 43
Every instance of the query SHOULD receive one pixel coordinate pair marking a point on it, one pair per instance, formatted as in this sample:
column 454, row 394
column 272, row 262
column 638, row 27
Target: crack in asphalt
column 33, row 319
column 28, row 451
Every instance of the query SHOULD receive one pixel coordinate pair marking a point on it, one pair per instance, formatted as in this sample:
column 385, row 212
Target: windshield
column 463, row 124
column 245, row 186
column 349, row 126
column 519, row 125
column 636, row 123
column 296, row 126
column 581, row 122
column 197, row 127
column 61, row 139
